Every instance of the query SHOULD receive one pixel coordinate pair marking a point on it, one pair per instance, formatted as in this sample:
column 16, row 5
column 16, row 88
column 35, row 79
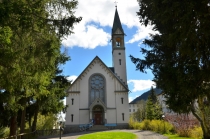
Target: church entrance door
column 98, row 115
column 98, row 118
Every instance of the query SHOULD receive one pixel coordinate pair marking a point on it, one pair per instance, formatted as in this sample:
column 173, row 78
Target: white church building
column 101, row 92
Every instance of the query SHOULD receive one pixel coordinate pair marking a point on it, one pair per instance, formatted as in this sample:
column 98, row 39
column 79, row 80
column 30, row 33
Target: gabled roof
column 110, row 70
column 117, row 23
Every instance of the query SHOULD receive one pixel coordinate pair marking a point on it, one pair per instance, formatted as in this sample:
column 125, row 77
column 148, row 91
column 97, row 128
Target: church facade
column 100, row 93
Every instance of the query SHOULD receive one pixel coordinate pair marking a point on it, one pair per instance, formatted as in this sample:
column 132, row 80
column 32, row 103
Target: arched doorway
column 98, row 114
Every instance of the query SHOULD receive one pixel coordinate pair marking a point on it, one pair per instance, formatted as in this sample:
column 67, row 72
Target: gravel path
column 141, row 134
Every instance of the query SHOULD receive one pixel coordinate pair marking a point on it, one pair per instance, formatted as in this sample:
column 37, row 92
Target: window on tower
column 72, row 101
column 120, row 61
column 123, row 116
column 72, row 117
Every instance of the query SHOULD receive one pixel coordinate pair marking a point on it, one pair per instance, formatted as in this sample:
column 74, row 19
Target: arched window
column 118, row 40
column 97, row 88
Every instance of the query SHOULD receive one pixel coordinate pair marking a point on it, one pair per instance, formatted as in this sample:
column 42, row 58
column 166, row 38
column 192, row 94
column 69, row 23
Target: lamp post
column 61, row 121
column 60, row 129
column 163, row 116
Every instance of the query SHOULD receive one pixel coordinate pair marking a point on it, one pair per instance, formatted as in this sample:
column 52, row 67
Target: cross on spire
column 116, row 4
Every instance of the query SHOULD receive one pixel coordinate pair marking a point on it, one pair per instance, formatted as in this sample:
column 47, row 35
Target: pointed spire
column 117, row 23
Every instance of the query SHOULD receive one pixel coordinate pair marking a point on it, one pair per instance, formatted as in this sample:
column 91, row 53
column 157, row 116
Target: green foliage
column 153, row 108
column 46, row 122
column 196, row 132
column 178, row 54
column 153, row 95
column 109, row 135
column 150, row 111
column 4, row 132
column 140, row 114
column 159, row 126
column 175, row 136
column 5, row 35
column 31, row 32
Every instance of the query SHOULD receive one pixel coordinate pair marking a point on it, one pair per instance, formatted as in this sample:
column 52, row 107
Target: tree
column 179, row 55
column 153, row 107
column 150, row 111
column 140, row 114
column 27, row 64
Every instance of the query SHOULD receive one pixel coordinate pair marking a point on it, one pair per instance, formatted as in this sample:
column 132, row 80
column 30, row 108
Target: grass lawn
column 109, row 135
column 176, row 137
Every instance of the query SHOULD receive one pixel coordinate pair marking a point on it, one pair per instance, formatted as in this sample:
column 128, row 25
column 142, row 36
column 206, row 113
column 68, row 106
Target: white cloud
column 101, row 13
column 130, row 99
column 142, row 33
column 139, row 85
column 72, row 78
column 88, row 36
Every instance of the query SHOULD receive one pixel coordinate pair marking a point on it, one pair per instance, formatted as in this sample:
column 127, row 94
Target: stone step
column 98, row 128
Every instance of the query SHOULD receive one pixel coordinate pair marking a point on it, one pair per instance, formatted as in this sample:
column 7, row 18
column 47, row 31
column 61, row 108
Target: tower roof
column 117, row 23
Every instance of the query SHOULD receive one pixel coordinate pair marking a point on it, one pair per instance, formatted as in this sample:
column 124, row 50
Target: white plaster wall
column 84, row 116
column 72, row 109
column 132, row 108
column 82, row 100
column 120, row 69
column 165, row 108
column 84, row 92
column 122, row 108
column 84, row 86
column 111, row 116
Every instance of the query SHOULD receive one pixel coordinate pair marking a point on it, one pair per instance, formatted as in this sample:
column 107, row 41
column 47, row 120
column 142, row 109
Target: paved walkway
column 139, row 133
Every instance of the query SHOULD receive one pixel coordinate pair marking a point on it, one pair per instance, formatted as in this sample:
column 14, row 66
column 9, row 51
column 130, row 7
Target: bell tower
column 118, row 49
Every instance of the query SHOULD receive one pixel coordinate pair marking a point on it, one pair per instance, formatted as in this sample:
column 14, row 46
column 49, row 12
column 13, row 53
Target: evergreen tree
column 28, row 56
column 150, row 111
column 179, row 54
column 153, row 107
column 153, row 95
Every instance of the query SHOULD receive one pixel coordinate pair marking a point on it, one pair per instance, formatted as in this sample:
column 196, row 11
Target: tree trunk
column 35, row 117
column 13, row 125
column 23, row 118
column 29, row 122
column 202, row 117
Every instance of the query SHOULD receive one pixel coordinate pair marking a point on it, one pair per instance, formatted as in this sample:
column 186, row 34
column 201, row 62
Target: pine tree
column 150, row 111
column 153, row 107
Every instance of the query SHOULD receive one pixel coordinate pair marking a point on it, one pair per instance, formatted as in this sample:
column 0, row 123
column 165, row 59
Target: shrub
column 4, row 132
column 196, row 132
column 182, row 123
column 159, row 126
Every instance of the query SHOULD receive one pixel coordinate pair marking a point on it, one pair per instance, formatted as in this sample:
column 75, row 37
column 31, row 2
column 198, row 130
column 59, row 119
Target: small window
column 133, row 110
column 72, row 101
column 72, row 117
column 120, row 61
column 122, row 100
column 119, row 53
column 129, row 110
column 123, row 116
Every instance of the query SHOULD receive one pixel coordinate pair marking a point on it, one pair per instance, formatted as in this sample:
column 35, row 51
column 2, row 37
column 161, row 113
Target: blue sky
column 92, row 38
